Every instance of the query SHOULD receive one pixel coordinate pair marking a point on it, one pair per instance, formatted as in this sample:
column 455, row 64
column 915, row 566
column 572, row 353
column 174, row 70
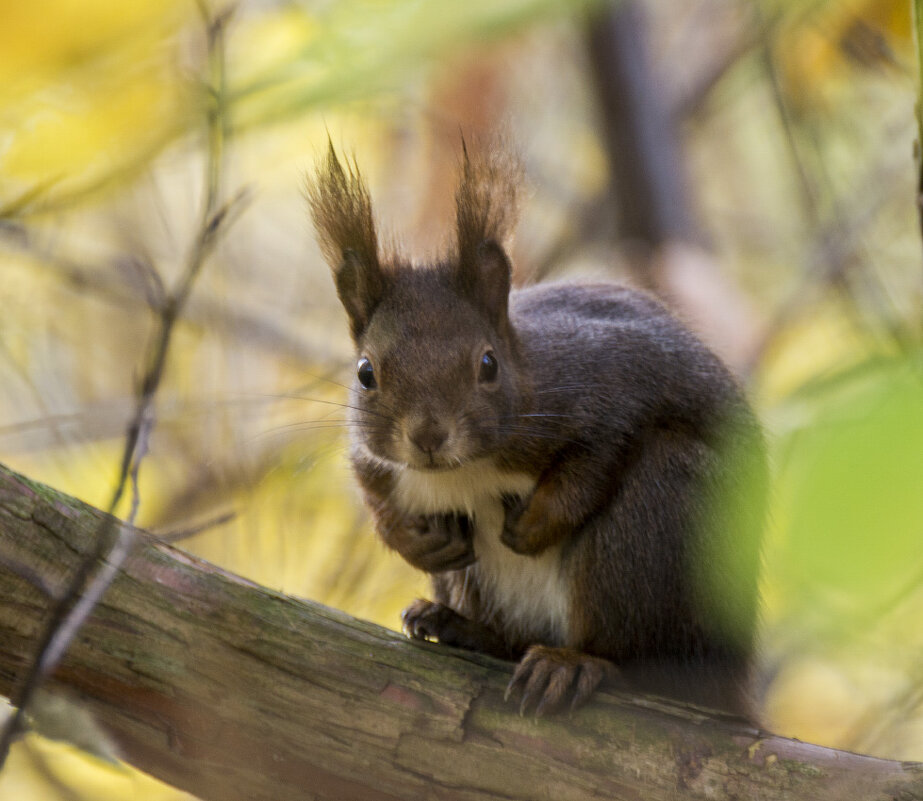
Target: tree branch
column 231, row 691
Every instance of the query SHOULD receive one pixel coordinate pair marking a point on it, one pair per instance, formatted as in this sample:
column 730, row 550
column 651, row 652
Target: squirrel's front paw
column 521, row 533
column 436, row 543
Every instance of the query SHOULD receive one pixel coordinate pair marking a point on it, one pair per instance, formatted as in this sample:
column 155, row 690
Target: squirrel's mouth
column 430, row 463
column 434, row 461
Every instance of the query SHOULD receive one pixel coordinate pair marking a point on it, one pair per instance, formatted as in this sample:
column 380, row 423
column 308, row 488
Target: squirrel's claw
column 546, row 677
column 427, row 620
column 423, row 619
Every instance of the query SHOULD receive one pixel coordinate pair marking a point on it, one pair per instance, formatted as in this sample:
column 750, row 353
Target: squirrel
column 581, row 477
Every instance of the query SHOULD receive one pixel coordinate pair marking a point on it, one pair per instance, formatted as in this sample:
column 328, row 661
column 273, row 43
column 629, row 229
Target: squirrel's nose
column 429, row 437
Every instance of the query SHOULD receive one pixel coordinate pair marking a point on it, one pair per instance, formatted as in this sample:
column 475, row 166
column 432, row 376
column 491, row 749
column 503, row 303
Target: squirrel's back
column 615, row 357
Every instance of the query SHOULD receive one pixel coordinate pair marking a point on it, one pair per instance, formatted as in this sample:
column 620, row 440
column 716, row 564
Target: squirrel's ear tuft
column 341, row 208
column 486, row 205
column 487, row 197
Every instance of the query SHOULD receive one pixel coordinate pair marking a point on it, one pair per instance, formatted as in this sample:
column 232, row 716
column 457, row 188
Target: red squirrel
column 581, row 477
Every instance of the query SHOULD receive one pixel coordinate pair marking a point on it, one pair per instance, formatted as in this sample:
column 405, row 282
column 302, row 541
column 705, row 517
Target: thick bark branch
column 232, row 692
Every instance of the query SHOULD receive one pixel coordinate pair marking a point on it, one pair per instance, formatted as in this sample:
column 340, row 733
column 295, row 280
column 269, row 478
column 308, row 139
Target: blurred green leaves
column 850, row 491
column 310, row 55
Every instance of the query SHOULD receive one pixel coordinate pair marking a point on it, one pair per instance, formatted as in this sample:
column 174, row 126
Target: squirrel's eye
column 366, row 373
column 488, row 367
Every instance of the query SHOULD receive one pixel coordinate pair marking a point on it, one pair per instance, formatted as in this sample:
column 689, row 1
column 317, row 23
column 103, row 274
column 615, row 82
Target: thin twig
column 754, row 33
column 809, row 191
column 838, row 244
column 239, row 324
column 838, row 239
column 77, row 603
column 24, row 202
column 177, row 535
column 918, row 108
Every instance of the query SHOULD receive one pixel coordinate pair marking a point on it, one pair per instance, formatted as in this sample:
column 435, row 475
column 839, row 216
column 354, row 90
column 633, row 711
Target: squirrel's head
column 436, row 375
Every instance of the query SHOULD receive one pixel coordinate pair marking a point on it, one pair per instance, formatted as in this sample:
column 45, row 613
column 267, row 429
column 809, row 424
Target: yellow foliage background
column 102, row 141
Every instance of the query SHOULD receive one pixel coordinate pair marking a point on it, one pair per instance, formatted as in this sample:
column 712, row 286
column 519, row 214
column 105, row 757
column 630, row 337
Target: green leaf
column 851, row 491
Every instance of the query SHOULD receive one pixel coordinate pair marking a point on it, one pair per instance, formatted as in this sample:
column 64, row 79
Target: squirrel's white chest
column 529, row 596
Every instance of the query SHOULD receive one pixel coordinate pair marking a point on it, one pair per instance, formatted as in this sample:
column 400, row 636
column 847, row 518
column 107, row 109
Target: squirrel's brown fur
column 582, row 477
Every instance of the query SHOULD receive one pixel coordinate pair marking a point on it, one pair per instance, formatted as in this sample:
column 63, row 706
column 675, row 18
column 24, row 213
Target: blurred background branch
column 918, row 107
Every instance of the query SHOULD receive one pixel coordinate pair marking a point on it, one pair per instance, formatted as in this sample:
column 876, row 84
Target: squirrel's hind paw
column 426, row 620
column 548, row 677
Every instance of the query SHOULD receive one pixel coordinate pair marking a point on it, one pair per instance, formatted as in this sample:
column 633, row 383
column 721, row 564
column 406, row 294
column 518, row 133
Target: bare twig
column 178, row 535
column 24, row 202
column 693, row 97
column 918, row 145
column 239, row 324
column 80, row 597
column 42, row 199
column 839, row 236
column 837, row 246
column 809, row 193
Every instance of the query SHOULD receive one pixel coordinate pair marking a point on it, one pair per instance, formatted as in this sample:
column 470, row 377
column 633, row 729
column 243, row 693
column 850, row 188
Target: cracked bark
column 231, row 691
